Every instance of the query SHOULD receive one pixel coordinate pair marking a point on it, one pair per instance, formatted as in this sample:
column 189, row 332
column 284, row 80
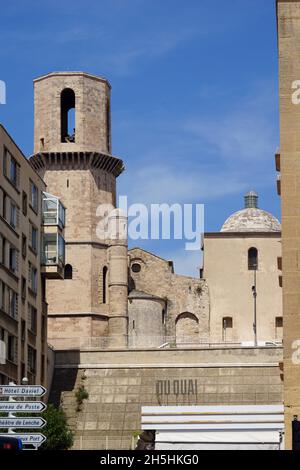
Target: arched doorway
column 187, row 328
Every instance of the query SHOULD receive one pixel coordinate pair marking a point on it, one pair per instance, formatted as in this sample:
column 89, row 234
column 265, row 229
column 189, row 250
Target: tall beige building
column 288, row 163
column 23, row 309
column 76, row 164
column 241, row 270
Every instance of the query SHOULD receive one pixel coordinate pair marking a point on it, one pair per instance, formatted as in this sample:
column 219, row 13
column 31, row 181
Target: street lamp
column 254, row 291
column 24, row 382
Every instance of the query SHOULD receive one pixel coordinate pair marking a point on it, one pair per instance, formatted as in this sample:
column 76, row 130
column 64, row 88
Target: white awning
column 216, row 427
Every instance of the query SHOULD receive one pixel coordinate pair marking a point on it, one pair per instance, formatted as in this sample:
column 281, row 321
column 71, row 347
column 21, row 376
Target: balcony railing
column 149, row 342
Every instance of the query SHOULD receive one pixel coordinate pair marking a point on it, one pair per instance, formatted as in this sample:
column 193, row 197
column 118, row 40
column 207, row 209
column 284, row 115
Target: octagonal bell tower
column 72, row 153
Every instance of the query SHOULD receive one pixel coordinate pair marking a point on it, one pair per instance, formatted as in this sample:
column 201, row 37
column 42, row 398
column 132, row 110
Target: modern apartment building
column 28, row 254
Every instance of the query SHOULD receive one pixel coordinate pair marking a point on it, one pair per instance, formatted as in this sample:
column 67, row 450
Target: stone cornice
column 77, row 160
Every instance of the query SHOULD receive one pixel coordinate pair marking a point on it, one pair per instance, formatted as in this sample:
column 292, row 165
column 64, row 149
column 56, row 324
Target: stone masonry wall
column 111, row 416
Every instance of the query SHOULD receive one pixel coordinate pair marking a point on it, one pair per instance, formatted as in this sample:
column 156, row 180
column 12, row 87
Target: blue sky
column 194, row 94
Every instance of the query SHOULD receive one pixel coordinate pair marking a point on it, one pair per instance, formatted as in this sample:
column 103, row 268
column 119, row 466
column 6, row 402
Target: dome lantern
column 251, row 200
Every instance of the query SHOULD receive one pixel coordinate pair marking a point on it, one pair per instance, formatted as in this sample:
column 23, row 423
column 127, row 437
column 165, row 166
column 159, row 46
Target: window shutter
column 18, row 218
column 30, row 234
column 17, row 261
column 18, row 176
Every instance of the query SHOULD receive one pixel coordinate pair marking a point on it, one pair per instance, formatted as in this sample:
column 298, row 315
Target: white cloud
column 246, row 132
column 158, row 184
column 199, row 158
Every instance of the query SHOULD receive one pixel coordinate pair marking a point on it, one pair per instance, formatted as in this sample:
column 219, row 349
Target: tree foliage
column 58, row 434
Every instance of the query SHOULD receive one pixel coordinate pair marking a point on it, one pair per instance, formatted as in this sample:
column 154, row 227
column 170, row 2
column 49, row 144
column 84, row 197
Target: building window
column 24, row 245
column 13, row 259
column 67, row 103
column 33, row 237
column 32, row 319
column 104, row 284
column 278, row 328
column 44, row 328
column 2, row 295
column 23, row 288
column 13, row 303
column 11, row 168
column 3, row 251
column 12, row 349
column 4, row 380
column 24, row 203
column 32, row 277
column 4, row 205
column 227, row 325
column 13, row 215
column 9, row 301
column 252, row 259
column 31, row 360
column 13, row 171
column 23, row 332
column 34, row 196
column 68, row 271
column 136, row 268
column 5, row 159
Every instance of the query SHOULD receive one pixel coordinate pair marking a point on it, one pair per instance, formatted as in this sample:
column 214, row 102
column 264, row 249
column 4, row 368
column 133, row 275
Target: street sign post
column 22, row 390
column 22, row 406
column 22, row 422
column 11, row 406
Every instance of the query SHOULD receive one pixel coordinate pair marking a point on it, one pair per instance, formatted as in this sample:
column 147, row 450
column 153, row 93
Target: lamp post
column 254, row 291
column 24, row 381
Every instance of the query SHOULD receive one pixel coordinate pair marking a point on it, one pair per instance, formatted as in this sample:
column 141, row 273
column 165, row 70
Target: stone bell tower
column 72, row 145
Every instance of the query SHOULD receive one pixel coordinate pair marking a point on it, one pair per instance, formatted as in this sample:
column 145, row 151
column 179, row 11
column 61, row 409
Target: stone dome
column 251, row 219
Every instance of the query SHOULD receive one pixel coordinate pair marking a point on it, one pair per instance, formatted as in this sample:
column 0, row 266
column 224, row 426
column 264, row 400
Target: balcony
column 53, row 211
column 53, row 255
column 53, row 247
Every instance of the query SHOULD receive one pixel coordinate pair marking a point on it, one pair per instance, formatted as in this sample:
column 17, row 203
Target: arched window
column 252, row 259
column 67, row 106
column 278, row 328
column 187, row 328
column 68, row 271
column 104, row 284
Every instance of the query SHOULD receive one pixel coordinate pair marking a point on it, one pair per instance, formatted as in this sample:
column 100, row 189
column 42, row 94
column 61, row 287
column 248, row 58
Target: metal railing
column 148, row 342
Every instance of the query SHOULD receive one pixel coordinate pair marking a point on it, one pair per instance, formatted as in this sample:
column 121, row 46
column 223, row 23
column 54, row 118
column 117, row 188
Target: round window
column 136, row 267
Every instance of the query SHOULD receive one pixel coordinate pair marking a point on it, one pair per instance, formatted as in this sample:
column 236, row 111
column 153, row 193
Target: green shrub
column 58, row 434
column 81, row 394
